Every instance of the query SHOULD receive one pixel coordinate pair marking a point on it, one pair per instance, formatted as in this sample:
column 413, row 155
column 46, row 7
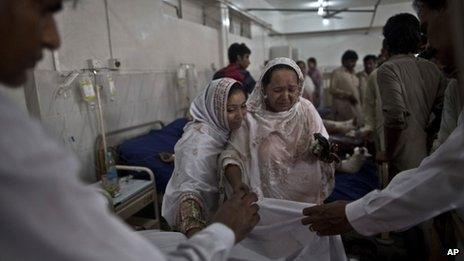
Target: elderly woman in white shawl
column 273, row 150
column 192, row 196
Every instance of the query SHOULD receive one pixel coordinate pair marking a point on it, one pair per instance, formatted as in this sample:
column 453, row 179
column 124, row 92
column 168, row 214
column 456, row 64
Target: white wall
column 150, row 45
column 328, row 48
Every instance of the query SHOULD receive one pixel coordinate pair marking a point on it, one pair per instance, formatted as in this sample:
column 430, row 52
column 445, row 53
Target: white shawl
column 273, row 152
column 197, row 153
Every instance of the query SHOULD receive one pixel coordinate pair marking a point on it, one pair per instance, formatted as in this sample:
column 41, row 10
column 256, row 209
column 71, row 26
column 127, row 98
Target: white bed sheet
column 278, row 236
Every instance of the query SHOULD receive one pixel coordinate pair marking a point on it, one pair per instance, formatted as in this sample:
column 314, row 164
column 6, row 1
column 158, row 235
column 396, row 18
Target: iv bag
column 87, row 90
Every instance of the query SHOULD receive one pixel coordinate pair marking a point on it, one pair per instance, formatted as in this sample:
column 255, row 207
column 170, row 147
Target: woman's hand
column 241, row 187
column 192, row 232
column 234, row 176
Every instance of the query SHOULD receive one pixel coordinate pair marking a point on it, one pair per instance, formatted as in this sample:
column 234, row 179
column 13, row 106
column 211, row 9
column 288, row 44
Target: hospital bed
column 136, row 194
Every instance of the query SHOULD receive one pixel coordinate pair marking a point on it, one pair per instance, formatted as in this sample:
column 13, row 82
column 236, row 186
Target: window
column 239, row 24
column 171, row 8
column 205, row 12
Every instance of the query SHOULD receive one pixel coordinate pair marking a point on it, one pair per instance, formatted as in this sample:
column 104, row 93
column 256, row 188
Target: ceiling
column 338, row 15
column 336, row 4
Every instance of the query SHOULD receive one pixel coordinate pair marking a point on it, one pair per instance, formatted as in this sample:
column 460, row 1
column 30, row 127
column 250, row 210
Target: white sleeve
column 48, row 214
column 212, row 243
column 415, row 195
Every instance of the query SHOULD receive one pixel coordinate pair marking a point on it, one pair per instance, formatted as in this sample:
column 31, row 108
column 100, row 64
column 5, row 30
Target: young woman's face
column 236, row 109
column 282, row 91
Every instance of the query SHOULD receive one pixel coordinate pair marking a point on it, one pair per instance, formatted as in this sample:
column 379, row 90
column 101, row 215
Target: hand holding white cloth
column 281, row 236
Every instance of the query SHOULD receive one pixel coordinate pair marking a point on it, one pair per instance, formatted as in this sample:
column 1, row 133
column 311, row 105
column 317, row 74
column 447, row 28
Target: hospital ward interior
column 250, row 130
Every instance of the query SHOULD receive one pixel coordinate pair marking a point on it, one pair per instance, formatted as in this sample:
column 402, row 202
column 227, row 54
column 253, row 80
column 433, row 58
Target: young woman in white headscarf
column 192, row 194
column 273, row 153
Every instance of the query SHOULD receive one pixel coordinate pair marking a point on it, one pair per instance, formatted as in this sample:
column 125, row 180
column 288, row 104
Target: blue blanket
column 352, row 186
column 143, row 151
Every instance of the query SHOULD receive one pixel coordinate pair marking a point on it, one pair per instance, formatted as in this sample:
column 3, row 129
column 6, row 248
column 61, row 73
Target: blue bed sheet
column 352, row 186
column 143, row 151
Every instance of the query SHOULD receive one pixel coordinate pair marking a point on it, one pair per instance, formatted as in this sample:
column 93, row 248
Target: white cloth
column 415, row 195
column 452, row 106
column 49, row 214
column 308, row 85
column 280, row 236
column 272, row 149
column 195, row 172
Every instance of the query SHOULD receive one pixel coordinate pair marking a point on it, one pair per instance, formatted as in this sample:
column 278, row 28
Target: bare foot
column 166, row 157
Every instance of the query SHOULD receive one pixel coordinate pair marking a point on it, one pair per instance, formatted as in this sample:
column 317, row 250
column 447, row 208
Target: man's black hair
column 402, row 34
column 312, row 60
column 370, row 57
column 237, row 49
column 350, row 55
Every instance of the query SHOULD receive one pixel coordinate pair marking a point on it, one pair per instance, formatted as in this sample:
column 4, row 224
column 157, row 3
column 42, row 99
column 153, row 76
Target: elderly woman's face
column 282, row 92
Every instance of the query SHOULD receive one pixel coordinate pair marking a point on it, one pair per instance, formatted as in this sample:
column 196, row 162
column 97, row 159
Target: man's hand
column 352, row 99
column 239, row 213
column 381, row 157
column 328, row 219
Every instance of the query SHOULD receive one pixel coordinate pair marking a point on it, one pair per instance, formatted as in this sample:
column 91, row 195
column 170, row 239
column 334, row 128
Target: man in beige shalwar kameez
column 345, row 89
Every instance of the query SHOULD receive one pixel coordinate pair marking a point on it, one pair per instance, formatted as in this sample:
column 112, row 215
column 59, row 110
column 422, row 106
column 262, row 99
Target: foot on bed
column 167, row 157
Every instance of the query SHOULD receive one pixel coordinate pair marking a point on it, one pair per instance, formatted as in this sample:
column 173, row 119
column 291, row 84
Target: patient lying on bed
column 192, row 194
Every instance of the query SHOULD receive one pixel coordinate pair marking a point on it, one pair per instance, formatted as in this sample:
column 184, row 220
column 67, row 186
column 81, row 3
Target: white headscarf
column 210, row 106
column 197, row 151
column 256, row 103
column 272, row 149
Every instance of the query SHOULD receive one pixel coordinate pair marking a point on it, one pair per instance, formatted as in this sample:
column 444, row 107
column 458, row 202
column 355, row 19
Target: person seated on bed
column 192, row 194
column 273, row 150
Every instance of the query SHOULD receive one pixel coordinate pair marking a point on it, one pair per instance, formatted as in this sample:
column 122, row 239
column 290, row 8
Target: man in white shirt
column 414, row 195
column 47, row 213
